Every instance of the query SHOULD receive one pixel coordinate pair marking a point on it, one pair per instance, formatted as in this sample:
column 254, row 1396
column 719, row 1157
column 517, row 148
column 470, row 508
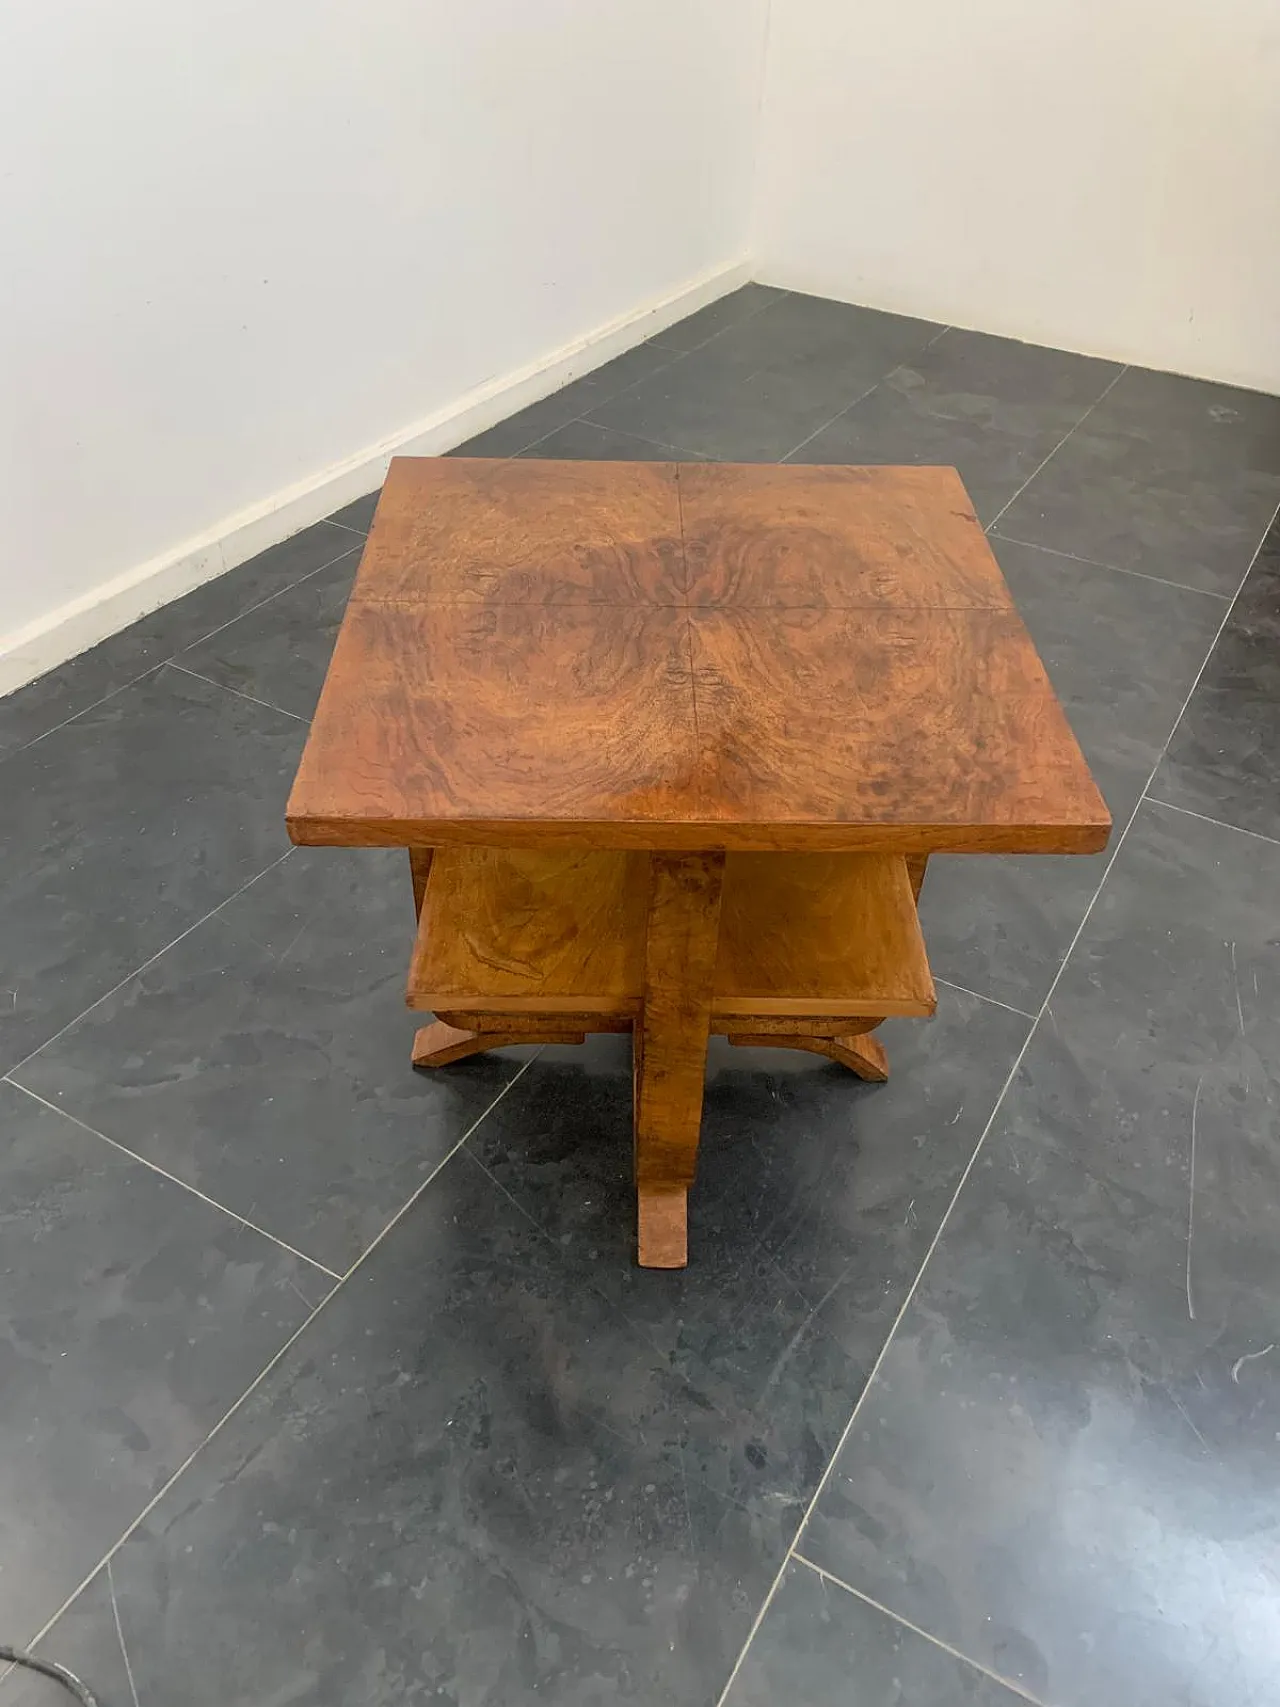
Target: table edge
column 1077, row 836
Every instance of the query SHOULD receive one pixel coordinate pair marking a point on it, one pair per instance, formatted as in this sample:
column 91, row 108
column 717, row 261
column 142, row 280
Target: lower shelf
column 802, row 937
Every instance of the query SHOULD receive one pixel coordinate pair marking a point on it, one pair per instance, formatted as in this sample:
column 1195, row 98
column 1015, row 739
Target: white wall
column 247, row 240
column 1098, row 174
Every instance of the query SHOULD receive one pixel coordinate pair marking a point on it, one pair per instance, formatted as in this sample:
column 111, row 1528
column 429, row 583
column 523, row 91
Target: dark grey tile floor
column 326, row 1382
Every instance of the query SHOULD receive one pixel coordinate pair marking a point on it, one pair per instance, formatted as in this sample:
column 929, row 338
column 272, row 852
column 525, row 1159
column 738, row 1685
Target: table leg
column 916, row 867
column 670, row 1041
column 860, row 1053
column 440, row 1044
column 419, row 871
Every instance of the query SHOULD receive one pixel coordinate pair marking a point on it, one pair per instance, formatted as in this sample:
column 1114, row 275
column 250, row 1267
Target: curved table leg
column 438, row 1044
column 671, row 1045
column 861, row 1054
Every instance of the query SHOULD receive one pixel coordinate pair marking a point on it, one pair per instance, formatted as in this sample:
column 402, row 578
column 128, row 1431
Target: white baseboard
column 73, row 627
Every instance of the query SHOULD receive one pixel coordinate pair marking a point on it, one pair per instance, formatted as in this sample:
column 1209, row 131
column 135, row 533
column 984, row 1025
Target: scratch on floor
column 1235, row 979
column 775, row 1374
column 1248, row 1358
column 295, row 940
column 956, row 1115
column 1186, row 1419
column 1191, row 1193
column 124, row 1652
column 688, row 1512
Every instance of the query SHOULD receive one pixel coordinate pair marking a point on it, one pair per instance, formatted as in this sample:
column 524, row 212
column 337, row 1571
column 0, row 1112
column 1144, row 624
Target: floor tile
column 64, row 692
column 1224, row 760
column 1066, row 1466
column 816, row 1200
column 264, row 1059
column 132, row 1317
column 820, row 1646
column 279, row 653
column 990, row 407
column 1220, row 426
column 1122, row 653
column 603, row 444
column 435, row 1496
column 1170, row 477
column 121, row 830
column 716, row 317
column 529, row 425
column 810, row 335
column 759, row 389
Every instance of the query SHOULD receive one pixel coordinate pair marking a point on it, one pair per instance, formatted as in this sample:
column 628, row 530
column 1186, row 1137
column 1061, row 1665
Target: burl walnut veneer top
column 676, row 655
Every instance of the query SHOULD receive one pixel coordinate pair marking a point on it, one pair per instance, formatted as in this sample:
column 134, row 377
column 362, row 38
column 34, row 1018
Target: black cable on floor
column 50, row 1668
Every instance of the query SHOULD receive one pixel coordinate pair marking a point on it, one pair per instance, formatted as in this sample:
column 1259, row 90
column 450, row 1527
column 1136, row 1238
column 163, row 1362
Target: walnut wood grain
column 531, row 932
column 670, row 1044
column 896, row 538
column 888, row 719
column 472, row 530
column 463, row 717
column 834, row 934
column 516, row 669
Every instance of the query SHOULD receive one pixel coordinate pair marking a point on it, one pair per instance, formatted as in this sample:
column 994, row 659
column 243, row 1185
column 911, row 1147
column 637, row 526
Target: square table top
column 682, row 656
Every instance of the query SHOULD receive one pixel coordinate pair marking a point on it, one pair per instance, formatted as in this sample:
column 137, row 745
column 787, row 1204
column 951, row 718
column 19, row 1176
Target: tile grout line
column 994, row 1001
column 964, row 1177
column 252, row 699
column 861, row 398
column 267, row 1368
column 678, row 452
column 154, row 669
column 410, row 1201
column 1112, row 568
column 1213, row 644
column 270, row 599
column 155, row 1168
column 1219, row 823
column 916, row 1630
column 150, row 960
column 746, row 320
column 911, row 1291
column 1040, row 467
column 674, row 357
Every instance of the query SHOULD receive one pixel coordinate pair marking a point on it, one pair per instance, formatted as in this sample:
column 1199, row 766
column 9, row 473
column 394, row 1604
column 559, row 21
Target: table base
column 806, row 952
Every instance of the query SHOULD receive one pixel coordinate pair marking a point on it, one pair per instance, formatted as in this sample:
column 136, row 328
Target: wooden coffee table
column 669, row 745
